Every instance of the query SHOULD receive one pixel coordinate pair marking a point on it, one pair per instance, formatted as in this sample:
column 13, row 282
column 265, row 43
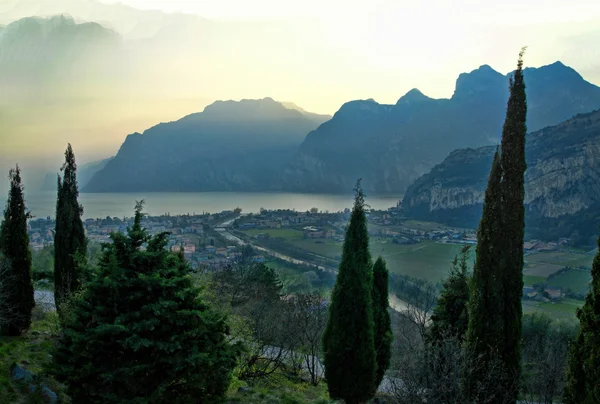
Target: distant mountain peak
column 479, row 82
column 414, row 95
column 351, row 107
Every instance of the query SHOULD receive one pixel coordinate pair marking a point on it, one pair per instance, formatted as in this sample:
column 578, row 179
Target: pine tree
column 69, row 238
column 139, row 331
column 348, row 341
column 583, row 367
column 17, row 286
column 513, row 163
column 485, row 327
column 381, row 319
column 450, row 318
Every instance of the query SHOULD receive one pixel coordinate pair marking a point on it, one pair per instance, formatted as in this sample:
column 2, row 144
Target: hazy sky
column 316, row 53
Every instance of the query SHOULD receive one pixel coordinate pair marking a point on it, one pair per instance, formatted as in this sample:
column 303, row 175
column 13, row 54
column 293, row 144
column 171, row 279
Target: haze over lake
column 97, row 205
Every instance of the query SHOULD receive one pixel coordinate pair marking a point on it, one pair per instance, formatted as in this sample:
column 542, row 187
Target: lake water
column 43, row 204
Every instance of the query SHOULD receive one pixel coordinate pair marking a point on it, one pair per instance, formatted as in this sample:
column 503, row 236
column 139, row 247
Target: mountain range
column 562, row 183
column 389, row 146
column 240, row 146
column 260, row 145
column 85, row 172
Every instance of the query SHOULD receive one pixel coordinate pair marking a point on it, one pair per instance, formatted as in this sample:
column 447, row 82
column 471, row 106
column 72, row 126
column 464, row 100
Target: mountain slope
column 85, row 172
column 562, row 182
column 229, row 146
column 391, row 145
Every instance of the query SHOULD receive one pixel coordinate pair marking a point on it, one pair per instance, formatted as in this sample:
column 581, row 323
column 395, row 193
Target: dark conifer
column 139, row 332
column 495, row 312
column 485, row 329
column 69, row 238
column 17, row 300
column 348, row 341
column 450, row 318
column 512, row 159
column 381, row 319
column 583, row 366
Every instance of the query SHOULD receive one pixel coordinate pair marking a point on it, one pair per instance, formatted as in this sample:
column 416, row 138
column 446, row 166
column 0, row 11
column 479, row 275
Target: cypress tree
column 139, row 331
column 495, row 312
column 17, row 285
column 583, row 365
column 381, row 319
column 69, row 238
column 484, row 333
column 450, row 317
column 348, row 341
column 512, row 159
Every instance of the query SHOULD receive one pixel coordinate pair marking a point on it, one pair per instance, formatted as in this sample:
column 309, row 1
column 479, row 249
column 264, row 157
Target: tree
column 348, row 341
column 381, row 319
column 14, row 245
column 583, row 367
column 139, row 331
column 69, row 239
column 485, row 329
column 512, row 190
column 450, row 316
column 495, row 312
column 545, row 348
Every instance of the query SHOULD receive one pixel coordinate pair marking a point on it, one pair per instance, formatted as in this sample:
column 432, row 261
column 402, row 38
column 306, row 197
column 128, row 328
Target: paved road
column 44, row 299
column 222, row 229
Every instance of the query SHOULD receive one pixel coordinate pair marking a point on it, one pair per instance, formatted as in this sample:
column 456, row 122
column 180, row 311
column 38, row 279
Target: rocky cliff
column 389, row 146
column 562, row 182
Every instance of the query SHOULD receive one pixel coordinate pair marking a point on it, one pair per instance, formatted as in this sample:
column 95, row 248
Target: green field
column 576, row 280
column 562, row 310
column 427, row 260
column 532, row 280
column 288, row 234
column 544, row 264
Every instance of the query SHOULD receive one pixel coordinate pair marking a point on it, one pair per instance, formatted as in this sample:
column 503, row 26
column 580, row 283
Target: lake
column 43, row 204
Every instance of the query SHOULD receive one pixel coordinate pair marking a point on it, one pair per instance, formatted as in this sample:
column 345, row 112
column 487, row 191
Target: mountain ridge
column 561, row 182
column 389, row 146
column 230, row 145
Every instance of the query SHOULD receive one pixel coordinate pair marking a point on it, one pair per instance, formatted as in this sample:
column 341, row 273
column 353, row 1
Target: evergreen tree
column 69, row 238
column 583, row 367
column 348, row 341
column 17, row 286
column 495, row 312
column 512, row 159
column 381, row 319
column 485, row 327
column 139, row 332
column 450, row 318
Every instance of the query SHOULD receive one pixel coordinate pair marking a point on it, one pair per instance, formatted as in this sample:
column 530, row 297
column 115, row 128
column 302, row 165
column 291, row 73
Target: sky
column 315, row 53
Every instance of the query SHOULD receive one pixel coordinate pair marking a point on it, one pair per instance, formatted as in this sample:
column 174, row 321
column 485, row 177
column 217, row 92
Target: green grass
column 532, row 280
column 31, row 351
column 427, row 260
column 288, row 234
column 564, row 309
column 277, row 389
column 560, row 259
column 576, row 280
column 542, row 270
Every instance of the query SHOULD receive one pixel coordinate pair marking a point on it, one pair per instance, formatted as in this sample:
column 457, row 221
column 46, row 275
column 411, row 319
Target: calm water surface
column 95, row 205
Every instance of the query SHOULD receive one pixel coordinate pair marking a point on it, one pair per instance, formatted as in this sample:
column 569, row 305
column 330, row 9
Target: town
column 201, row 239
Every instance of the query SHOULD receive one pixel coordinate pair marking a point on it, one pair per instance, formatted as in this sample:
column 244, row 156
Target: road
column 44, row 299
column 222, row 229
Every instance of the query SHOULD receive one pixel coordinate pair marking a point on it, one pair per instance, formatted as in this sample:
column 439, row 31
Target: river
column 100, row 205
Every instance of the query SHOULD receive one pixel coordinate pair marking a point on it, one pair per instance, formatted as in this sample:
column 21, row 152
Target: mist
column 64, row 79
